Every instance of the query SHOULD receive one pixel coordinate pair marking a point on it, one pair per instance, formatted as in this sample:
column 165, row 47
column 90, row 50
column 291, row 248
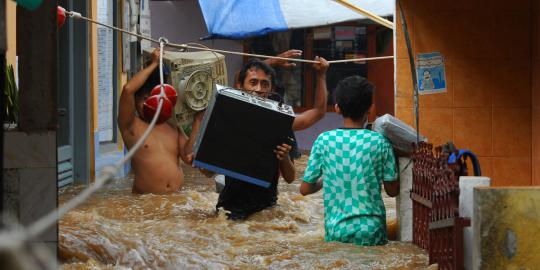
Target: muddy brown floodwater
column 116, row 229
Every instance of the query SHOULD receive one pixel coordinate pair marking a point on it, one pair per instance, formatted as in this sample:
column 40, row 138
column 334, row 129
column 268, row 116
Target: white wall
column 305, row 138
column 182, row 22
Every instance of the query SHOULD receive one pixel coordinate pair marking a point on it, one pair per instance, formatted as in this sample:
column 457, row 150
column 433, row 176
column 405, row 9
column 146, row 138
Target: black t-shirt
column 243, row 199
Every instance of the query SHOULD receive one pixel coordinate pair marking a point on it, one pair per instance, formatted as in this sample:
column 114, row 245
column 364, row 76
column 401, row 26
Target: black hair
column 149, row 84
column 257, row 64
column 354, row 96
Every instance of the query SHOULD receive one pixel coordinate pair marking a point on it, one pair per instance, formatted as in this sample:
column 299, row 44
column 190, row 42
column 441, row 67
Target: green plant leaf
column 11, row 105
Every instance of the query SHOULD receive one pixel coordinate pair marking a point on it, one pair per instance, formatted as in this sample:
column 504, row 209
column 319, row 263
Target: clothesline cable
column 77, row 15
column 14, row 239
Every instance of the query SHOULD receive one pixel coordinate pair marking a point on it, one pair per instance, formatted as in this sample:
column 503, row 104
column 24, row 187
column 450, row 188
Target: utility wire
column 77, row 15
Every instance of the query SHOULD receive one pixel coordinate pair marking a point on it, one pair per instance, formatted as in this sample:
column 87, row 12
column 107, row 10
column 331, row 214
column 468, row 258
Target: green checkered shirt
column 353, row 164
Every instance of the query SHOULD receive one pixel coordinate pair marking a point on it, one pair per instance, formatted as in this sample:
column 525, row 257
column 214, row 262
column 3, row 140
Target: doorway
column 73, row 101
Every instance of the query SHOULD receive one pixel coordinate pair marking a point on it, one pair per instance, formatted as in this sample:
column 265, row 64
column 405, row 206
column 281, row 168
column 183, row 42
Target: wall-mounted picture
column 430, row 73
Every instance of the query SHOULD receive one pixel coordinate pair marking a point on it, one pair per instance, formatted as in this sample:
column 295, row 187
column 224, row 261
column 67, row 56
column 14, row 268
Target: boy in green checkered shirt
column 354, row 162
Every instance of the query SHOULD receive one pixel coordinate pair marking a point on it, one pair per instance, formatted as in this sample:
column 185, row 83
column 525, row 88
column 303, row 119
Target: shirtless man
column 156, row 163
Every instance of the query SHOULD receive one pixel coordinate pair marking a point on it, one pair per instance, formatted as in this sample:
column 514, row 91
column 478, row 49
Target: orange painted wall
column 535, row 18
column 381, row 74
column 487, row 107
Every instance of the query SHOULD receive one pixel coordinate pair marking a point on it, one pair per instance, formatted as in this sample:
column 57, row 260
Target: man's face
column 257, row 82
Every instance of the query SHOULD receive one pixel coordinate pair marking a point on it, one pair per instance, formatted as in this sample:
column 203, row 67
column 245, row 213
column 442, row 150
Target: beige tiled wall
column 487, row 107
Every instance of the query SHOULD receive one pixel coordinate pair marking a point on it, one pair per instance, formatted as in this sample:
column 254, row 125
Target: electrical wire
column 201, row 47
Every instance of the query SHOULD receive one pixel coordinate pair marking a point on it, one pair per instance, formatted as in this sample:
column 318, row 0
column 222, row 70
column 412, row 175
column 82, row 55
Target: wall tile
column 11, row 181
column 38, row 188
column 511, row 83
column 536, row 171
column 512, row 132
column 518, row 5
column 469, row 38
column 450, row 5
column 511, row 171
column 404, row 87
column 488, row 106
column 10, row 193
column 406, row 115
column 535, row 132
column 409, row 6
column 472, row 83
column 486, row 165
column 437, row 124
column 23, row 150
column 441, row 100
column 511, row 32
column 401, row 45
column 472, row 130
column 536, row 34
column 436, row 32
column 470, row 5
column 535, row 89
column 404, row 101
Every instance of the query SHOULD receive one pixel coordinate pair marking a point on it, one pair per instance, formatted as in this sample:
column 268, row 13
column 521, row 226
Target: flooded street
column 116, row 228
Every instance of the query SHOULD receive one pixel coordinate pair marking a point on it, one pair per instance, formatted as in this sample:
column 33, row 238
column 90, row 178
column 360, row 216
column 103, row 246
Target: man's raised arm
column 284, row 63
column 311, row 116
column 126, row 108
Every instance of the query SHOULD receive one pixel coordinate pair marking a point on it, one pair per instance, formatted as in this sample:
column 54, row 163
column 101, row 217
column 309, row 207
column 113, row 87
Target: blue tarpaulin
column 237, row 19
